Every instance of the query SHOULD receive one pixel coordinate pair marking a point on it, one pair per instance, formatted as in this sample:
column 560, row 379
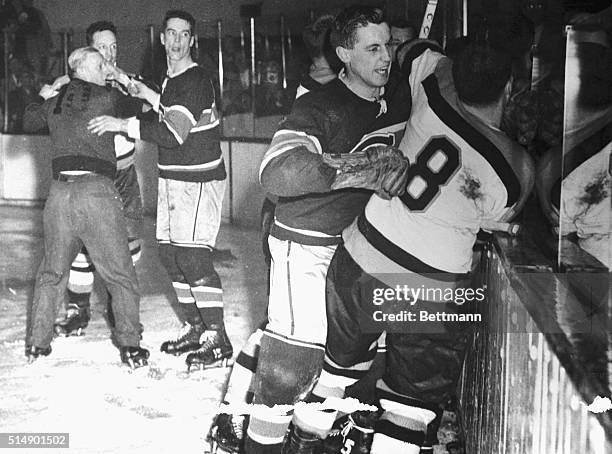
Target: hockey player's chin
column 382, row 78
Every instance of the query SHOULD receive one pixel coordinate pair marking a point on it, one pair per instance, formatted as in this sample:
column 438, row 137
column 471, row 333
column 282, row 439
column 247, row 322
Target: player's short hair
column 99, row 26
column 456, row 45
column 179, row 14
column 78, row 57
column 480, row 74
column 349, row 20
column 315, row 34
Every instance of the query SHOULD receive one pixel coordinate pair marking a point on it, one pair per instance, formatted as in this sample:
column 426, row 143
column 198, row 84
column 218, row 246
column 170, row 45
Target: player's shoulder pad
column 194, row 75
column 410, row 51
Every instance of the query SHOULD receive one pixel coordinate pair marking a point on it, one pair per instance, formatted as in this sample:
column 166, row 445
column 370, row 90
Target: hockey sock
column 80, row 280
column 188, row 308
column 314, row 421
column 240, row 385
column 135, row 249
column 334, row 378
column 402, row 426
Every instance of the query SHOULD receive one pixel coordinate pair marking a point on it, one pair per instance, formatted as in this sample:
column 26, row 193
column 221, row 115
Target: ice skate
column 298, row 441
column 355, row 436
column 187, row 341
column 32, row 353
column 226, row 434
column 77, row 318
column 134, row 357
column 215, row 351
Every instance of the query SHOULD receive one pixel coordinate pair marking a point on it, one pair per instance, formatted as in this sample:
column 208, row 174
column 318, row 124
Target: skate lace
column 350, row 425
column 237, row 426
column 72, row 311
column 208, row 340
column 183, row 332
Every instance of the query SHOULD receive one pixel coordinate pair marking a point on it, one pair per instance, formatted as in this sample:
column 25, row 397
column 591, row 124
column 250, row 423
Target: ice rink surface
column 82, row 388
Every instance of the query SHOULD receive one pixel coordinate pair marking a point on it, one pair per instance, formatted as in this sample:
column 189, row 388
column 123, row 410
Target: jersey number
column 435, row 164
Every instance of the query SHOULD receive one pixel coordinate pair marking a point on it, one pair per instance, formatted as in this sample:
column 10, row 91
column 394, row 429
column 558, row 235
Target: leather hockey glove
column 383, row 169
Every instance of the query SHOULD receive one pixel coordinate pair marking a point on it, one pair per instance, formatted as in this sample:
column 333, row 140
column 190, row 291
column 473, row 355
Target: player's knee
column 277, row 387
column 197, row 266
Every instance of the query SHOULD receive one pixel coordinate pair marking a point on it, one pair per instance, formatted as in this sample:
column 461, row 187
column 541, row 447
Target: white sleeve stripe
column 313, row 139
column 176, row 135
column 183, row 110
column 205, row 127
column 273, row 154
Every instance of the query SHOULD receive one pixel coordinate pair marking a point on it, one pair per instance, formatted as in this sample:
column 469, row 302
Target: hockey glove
column 383, row 169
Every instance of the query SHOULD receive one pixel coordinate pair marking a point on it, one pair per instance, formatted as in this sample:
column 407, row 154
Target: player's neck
column 177, row 66
column 489, row 115
column 360, row 89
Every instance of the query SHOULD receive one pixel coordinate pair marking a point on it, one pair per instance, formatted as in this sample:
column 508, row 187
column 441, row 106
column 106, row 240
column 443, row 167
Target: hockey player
column 190, row 190
column 362, row 109
column 228, row 430
column 464, row 172
column 102, row 36
column 83, row 207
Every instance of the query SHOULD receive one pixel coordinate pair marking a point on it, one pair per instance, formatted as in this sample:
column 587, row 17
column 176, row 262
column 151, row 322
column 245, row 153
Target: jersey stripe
column 474, row 138
column 400, row 256
column 286, row 140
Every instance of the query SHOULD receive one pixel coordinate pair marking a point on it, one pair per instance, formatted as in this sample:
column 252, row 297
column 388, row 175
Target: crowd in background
column 35, row 58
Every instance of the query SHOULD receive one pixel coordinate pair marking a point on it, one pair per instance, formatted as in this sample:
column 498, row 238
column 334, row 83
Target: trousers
column 85, row 210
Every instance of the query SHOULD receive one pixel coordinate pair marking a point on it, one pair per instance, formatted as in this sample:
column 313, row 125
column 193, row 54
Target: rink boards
column 25, row 174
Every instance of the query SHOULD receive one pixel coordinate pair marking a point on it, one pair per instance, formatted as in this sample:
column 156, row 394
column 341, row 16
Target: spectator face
column 93, row 69
column 368, row 62
column 177, row 39
column 106, row 43
column 399, row 36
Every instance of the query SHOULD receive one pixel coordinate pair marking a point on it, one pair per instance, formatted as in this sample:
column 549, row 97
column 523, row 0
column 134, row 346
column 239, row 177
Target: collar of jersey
column 180, row 72
column 342, row 77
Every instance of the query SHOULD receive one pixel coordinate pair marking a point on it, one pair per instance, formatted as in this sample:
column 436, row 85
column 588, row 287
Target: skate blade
column 226, row 362
column 137, row 365
column 62, row 333
column 216, row 448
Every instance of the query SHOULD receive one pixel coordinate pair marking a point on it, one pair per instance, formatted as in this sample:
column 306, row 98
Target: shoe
column 188, row 340
column 77, row 318
column 32, row 352
column 227, row 433
column 215, row 351
column 355, row 436
column 134, row 357
column 298, row 441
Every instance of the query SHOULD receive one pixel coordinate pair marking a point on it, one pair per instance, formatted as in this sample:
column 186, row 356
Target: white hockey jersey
column 462, row 172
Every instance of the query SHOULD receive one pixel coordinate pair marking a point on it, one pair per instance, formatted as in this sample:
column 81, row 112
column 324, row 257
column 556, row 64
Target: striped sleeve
column 293, row 166
column 184, row 108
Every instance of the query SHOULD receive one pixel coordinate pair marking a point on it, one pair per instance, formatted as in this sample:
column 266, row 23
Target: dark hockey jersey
column 331, row 119
column 187, row 133
column 74, row 147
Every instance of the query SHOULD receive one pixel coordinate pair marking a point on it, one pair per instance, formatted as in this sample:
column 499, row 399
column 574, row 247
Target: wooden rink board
column 515, row 395
column 25, row 175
